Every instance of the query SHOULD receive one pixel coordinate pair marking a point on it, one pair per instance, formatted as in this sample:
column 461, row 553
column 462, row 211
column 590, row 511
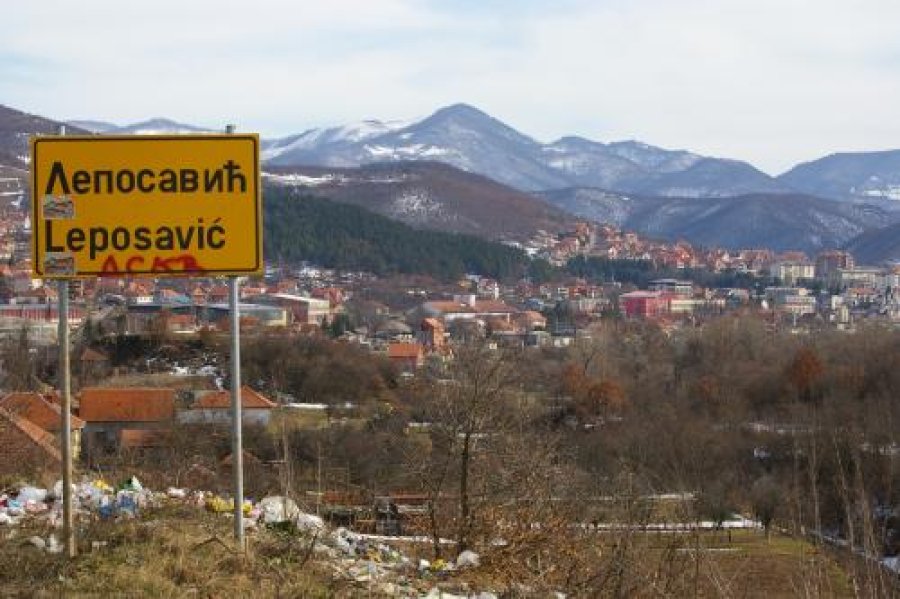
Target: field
column 180, row 550
column 752, row 566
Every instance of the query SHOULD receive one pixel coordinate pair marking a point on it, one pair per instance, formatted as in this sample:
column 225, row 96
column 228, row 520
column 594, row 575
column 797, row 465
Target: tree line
column 301, row 227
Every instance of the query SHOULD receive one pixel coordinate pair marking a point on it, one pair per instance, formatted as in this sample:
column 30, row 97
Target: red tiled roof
column 218, row 291
column 37, row 410
column 481, row 306
column 449, row 306
column 404, row 350
column 222, row 400
column 39, row 436
column 102, row 404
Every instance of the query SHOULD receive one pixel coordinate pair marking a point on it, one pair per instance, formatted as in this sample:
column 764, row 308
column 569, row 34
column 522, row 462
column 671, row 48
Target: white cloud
column 773, row 82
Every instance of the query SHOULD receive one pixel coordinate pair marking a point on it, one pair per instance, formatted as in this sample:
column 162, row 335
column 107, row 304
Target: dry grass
column 181, row 551
column 670, row 565
column 753, row 566
column 175, row 552
column 192, row 382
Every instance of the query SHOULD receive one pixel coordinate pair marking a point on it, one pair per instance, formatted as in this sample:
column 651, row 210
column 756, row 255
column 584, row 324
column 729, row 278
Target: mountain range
column 776, row 221
column 498, row 182
column 154, row 126
column 471, row 140
column 849, row 176
column 664, row 193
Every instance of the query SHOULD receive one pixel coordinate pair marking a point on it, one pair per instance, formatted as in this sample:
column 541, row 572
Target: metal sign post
column 237, row 447
column 237, row 444
column 65, row 391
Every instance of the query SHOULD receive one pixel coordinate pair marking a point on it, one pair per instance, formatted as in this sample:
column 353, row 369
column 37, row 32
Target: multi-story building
column 644, row 304
column 792, row 272
column 831, row 261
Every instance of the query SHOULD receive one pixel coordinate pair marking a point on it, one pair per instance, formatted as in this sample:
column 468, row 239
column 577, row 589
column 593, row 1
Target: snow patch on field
column 404, row 152
column 416, row 206
column 300, row 180
column 296, row 180
column 889, row 192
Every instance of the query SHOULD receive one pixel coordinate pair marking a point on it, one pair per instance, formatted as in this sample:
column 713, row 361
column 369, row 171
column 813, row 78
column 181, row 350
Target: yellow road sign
column 156, row 206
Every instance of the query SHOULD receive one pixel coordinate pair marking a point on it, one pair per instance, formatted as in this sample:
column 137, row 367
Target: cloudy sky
column 773, row 82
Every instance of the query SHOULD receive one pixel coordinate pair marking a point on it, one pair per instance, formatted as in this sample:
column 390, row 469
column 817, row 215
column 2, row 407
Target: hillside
column 849, row 176
column 777, row 221
column 429, row 195
column 300, row 227
column 16, row 127
column 877, row 245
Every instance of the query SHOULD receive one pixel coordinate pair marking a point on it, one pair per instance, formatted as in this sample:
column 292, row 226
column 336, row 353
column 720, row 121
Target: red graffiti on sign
column 138, row 264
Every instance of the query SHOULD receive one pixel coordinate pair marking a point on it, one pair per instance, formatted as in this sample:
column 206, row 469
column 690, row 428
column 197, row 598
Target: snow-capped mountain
column 590, row 164
column 93, row 126
column 308, row 147
column 154, row 126
column 467, row 138
column 159, row 126
column 458, row 135
column 651, row 157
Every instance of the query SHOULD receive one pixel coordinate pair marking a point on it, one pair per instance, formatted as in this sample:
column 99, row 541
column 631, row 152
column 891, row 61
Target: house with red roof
column 46, row 414
column 251, row 289
column 139, row 292
column 467, row 307
column 406, row 356
column 217, row 294
column 334, row 295
column 214, row 407
column 25, row 448
column 108, row 412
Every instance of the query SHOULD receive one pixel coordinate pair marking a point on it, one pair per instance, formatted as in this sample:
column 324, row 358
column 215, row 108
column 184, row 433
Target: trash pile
column 98, row 499
column 366, row 561
column 90, row 498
